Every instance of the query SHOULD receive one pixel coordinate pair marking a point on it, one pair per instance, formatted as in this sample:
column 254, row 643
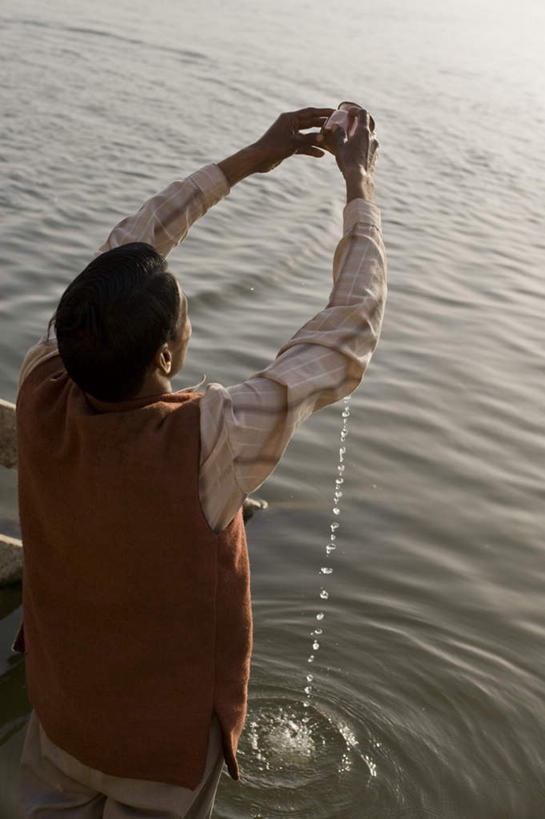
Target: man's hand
column 283, row 138
column 356, row 156
column 280, row 141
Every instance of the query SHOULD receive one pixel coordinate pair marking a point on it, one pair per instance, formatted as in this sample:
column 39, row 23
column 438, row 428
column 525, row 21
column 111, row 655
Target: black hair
column 113, row 317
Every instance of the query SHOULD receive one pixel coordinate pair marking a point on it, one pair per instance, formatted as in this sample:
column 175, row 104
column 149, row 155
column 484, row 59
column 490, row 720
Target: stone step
column 8, row 452
column 11, row 560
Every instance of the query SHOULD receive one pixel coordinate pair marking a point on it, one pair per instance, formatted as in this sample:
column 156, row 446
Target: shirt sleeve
column 246, row 428
column 162, row 221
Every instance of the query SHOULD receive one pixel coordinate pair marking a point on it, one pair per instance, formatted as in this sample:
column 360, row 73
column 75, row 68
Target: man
column 137, row 621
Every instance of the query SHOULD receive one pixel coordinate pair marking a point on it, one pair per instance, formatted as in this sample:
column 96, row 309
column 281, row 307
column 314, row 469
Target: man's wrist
column 240, row 165
column 359, row 185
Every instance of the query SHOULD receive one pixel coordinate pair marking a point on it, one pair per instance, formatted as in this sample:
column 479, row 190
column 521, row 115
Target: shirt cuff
column 359, row 210
column 212, row 183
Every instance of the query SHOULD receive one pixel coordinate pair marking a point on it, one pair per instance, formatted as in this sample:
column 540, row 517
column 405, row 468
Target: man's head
column 122, row 321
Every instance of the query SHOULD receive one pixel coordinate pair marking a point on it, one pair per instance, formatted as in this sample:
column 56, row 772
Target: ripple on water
column 298, row 758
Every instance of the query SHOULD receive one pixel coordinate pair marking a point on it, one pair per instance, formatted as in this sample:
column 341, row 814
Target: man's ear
column 163, row 359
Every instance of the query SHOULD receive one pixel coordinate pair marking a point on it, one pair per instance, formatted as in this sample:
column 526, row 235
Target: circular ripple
column 290, row 750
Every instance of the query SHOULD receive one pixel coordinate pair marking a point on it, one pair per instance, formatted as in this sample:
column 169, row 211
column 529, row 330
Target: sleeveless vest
column 137, row 616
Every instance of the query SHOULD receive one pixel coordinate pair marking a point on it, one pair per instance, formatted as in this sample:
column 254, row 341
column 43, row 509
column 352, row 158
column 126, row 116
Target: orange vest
column 137, row 616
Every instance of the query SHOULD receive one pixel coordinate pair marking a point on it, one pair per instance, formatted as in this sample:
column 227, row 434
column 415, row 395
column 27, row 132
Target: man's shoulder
column 45, row 352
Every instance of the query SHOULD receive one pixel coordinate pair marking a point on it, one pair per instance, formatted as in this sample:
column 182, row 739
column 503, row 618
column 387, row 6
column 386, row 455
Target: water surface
column 428, row 692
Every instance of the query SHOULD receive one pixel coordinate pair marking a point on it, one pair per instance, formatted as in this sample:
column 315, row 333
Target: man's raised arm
column 246, row 428
column 164, row 220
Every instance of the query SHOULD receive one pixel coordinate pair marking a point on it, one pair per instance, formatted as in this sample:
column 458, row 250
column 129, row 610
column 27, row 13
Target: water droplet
column 330, row 547
column 371, row 765
column 306, row 704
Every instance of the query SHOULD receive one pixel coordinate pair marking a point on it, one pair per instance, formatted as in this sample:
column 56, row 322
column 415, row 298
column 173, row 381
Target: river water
column 428, row 690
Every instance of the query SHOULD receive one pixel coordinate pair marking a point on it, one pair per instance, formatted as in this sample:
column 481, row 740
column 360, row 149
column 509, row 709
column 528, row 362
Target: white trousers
column 52, row 784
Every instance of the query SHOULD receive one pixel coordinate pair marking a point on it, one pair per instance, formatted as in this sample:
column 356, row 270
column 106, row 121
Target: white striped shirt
column 246, row 428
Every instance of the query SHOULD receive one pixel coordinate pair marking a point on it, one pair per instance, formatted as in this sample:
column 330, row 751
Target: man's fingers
column 310, row 150
column 309, row 113
column 365, row 121
column 311, row 117
column 314, row 138
column 307, row 144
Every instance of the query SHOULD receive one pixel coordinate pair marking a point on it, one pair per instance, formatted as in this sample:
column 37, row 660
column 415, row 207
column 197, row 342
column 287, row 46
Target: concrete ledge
column 8, row 452
column 11, row 560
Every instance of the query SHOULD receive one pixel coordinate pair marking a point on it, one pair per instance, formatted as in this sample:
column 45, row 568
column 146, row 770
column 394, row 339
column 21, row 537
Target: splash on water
column 282, row 736
column 281, row 739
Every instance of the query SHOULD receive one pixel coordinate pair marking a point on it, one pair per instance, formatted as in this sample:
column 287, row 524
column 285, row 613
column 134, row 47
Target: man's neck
column 154, row 384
